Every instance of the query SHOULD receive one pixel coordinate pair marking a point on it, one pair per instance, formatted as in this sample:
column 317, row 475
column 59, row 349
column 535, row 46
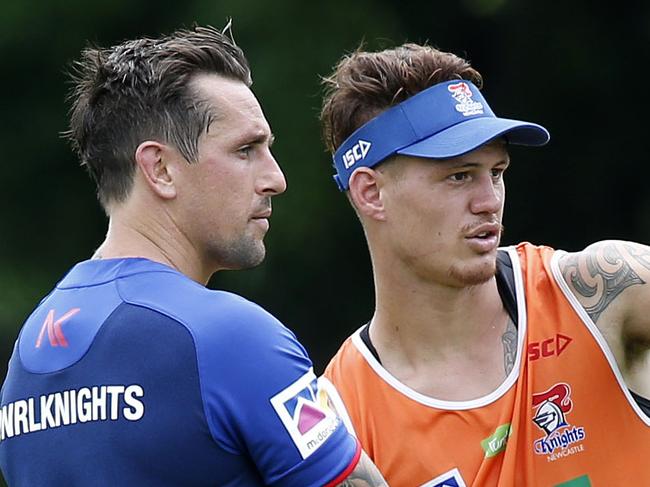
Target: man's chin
column 253, row 258
column 245, row 254
column 475, row 274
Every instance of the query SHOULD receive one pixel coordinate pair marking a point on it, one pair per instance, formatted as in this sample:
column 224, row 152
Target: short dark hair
column 140, row 90
column 365, row 84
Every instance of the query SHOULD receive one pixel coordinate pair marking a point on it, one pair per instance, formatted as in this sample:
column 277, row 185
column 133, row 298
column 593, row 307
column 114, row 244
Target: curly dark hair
column 140, row 90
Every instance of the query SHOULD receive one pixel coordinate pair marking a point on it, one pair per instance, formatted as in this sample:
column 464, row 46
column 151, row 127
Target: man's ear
column 365, row 191
column 154, row 160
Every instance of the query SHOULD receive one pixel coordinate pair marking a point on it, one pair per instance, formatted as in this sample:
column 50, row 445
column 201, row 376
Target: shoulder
column 532, row 251
column 346, row 354
column 598, row 254
column 207, row 314
column 345, row 364
column 606, row 262
column 606, row 275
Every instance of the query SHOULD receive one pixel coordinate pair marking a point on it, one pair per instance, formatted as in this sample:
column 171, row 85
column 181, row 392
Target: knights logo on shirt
column 560, row 437
column 305, row 412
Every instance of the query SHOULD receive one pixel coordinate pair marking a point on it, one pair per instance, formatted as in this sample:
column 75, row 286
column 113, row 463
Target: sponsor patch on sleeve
column 328, row 395
column 305, row 412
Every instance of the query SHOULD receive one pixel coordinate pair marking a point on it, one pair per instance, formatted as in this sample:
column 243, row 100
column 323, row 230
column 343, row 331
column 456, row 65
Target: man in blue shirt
column 131, row 372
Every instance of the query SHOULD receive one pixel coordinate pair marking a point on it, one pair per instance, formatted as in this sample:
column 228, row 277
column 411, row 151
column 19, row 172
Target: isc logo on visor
column 304, row 411
column 358, row 152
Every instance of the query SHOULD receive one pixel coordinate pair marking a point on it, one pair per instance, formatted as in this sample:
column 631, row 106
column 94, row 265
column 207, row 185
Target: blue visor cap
column 447, row 120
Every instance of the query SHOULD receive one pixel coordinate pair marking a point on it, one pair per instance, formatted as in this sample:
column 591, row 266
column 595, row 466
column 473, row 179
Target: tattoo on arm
column 641, row 254
column 602, row 275
column 365, row 474
column 509, row 340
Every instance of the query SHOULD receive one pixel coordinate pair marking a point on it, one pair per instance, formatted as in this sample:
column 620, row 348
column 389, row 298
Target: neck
column 422, row 320
column 153, row 239
column 451, row 343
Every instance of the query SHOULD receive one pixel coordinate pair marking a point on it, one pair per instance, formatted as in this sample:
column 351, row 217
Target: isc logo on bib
column 358, row 152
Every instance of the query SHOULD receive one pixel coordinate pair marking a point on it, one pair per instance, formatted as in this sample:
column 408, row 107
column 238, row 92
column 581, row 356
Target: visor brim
column 466, row 136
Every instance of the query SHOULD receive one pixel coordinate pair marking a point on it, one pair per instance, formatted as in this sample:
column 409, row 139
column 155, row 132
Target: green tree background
column 576, row 67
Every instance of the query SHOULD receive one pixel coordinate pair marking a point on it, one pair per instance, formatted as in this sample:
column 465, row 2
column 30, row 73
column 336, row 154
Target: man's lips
column 484, row 238
column 261, row 218
column 263, row 215
column 485, row 230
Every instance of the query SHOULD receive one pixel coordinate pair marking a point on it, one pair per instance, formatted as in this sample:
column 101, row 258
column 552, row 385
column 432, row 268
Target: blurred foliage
column 572, row 66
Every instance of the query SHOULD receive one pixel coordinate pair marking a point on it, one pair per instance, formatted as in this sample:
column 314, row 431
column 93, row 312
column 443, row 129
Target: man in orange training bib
column 481, row 366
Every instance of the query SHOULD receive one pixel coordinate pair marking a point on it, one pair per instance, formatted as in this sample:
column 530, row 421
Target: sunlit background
column 576, row 67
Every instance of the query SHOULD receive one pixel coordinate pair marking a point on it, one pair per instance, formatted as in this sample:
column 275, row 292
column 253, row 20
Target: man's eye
column 459, row 176
column 245, row 151
column 497, row 173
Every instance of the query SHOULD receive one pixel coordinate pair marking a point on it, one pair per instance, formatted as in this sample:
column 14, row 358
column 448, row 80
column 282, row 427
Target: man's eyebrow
column 451, row 164
column 255, row 138
column 262, row 138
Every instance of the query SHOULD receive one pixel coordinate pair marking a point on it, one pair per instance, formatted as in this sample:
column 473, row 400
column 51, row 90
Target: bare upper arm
column 366, row 474
column 611, row 280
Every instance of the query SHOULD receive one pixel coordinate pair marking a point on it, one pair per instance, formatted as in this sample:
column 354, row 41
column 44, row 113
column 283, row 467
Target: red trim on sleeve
column 345, row 473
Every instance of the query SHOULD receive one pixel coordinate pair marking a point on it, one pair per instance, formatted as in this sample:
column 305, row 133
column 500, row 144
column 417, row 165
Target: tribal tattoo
column 640, row 253
column 601, row 275
column 509, row 340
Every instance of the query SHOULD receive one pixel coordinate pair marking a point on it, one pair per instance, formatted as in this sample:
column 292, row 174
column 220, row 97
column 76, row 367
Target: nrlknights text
column 97, row 403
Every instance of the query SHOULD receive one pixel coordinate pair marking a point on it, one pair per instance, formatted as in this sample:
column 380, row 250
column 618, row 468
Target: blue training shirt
column 131, row 374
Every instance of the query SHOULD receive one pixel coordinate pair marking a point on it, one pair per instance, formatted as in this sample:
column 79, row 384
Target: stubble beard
column 473, row 275
column 245, row 252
